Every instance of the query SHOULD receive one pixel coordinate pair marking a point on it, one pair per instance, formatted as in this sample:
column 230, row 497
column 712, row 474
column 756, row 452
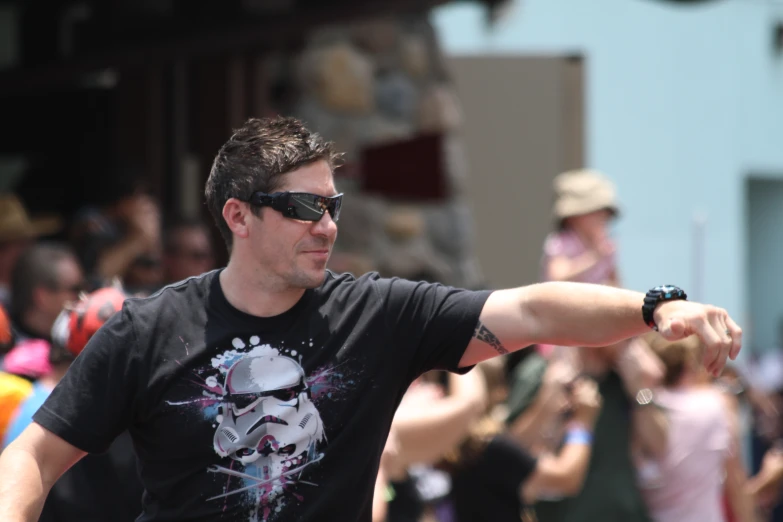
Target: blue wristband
column 578, row 436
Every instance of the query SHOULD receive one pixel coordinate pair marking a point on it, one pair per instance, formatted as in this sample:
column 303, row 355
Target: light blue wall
column 765, row 283
column 682, row 103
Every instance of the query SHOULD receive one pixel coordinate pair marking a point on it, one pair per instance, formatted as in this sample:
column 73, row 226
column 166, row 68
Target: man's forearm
column 570, row 314
column 559, row 313
column 580, row 314
column 23, row 490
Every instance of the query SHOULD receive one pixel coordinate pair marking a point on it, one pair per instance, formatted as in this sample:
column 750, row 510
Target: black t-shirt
column 241, row 418
column 489, row 487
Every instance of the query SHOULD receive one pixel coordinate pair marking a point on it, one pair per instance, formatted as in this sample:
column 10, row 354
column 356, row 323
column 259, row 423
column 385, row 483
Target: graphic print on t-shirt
column 264, row 410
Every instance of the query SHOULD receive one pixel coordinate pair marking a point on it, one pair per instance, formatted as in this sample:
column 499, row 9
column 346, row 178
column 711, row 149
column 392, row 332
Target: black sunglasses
column 299, row 205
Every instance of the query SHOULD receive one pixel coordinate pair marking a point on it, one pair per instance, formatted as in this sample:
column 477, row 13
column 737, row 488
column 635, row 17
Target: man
column 265, row 390
column 187, row 250
column 46, row 277
column 99, row 487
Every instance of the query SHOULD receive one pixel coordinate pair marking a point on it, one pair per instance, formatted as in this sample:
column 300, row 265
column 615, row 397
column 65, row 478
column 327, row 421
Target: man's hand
column 719, row 333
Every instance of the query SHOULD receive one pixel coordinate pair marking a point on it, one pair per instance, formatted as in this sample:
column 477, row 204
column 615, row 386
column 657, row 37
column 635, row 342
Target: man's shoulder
column 341, row 290
column 370, row 283
column 346, row 282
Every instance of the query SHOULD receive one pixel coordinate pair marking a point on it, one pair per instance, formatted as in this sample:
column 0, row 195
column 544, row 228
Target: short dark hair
column 256, row 156
column 38, row 266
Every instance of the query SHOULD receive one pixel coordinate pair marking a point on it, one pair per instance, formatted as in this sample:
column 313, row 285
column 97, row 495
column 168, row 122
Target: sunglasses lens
column 311, row 207
column 305, row 207
column 334, row 207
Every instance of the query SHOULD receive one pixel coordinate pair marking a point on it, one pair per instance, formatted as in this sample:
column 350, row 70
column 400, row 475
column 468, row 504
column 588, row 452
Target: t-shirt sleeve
column 96, row 400
column 431, row 322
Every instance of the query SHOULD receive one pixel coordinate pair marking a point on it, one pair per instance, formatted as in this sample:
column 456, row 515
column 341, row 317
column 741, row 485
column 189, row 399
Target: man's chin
column 309, row 279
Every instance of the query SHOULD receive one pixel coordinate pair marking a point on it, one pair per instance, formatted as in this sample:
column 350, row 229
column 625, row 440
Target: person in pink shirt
column 686, row 483
column 581, row 250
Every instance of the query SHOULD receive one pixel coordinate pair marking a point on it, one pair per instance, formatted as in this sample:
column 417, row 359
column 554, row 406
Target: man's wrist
column 655, row 297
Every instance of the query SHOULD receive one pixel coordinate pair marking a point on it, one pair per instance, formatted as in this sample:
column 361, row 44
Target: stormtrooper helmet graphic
column 267, row 417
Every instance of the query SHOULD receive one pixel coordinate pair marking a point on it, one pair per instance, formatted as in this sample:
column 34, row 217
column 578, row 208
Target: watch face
column 668, row 291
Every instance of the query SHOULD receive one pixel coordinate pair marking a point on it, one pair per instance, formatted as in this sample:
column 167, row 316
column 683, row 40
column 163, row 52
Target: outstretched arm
column 579, row 314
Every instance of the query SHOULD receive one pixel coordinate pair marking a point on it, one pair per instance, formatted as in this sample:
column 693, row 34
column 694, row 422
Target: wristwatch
column 656, row 296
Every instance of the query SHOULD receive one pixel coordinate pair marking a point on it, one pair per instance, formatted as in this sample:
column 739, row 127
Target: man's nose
column 326, row 226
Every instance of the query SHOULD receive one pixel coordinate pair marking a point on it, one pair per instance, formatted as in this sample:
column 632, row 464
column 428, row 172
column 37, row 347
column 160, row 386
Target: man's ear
column 237, row 215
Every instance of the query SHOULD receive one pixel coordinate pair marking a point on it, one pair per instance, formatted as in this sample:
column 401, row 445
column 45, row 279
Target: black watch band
column 658, row 295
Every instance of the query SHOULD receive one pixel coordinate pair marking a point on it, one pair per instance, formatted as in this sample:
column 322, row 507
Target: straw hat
column 579, row 192
column 16, row 224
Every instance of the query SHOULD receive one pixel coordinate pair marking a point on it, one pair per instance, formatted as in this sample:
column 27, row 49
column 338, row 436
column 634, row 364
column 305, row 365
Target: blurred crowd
column 634, row 432
column 60, row 280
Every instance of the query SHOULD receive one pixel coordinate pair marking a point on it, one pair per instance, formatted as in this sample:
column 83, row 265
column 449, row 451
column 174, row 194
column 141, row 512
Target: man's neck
column 254, row 295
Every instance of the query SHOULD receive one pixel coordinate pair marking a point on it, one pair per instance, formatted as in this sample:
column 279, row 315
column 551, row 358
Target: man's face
column 294, row 252
column 190, row 255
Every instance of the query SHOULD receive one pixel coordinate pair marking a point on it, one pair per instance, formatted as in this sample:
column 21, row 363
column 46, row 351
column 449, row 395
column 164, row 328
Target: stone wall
column 385, row 81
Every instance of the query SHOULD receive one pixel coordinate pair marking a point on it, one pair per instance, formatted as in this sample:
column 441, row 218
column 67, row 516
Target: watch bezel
column 658, row 295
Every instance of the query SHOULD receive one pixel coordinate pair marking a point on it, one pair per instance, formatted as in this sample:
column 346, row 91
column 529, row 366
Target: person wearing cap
column 581, row 250
column 17, row 230
column 100, row 487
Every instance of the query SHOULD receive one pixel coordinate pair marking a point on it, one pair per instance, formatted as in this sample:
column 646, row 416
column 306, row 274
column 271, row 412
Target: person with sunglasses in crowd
column 265, row 390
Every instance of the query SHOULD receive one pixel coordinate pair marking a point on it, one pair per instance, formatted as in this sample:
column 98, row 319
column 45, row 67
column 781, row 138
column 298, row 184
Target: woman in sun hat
column 580, row 249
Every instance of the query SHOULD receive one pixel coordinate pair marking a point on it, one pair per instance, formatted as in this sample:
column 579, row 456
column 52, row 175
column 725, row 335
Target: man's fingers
column 673, row 329
column 717, row 320
column 736, row 337
column 713, row 342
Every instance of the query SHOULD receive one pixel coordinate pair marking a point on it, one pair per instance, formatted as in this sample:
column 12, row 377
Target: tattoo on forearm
column 483, row 333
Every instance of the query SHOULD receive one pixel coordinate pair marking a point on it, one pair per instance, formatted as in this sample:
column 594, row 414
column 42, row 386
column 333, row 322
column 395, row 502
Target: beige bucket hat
column 16, row 224
column 582, row 191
